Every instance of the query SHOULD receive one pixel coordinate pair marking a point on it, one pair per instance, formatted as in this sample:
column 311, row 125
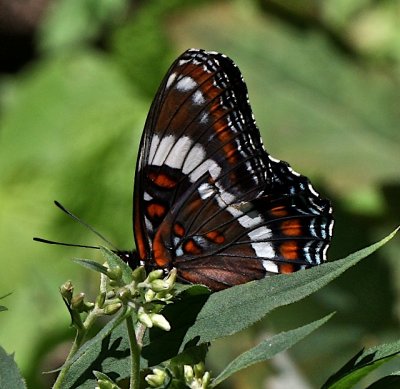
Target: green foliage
column 116, row 262
column 362, row 364
column 198, row 318
column 319, row 103
column 2, row 307
column 390, row 382
column 92, row 265
column 141, row 46
column 322, row 80
column 268, row 348
column 10, row 377
column 74, row 23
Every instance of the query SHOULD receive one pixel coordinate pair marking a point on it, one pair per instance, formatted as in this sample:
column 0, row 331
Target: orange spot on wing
column 231, row 153
column 179, row 230
column 139, row 231
column 286, row 268
column 289, row 250
column 155, row 210
column 190, row 247
column 162, row 180
column 160, row 253
column 279, row 211
column 291, row 227
column 215, row 237
column 141, row 248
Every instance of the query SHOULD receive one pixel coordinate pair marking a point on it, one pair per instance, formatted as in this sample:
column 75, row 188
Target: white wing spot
column 206, row 191
column 198, row 98
column 207, row 166
column 149, row 225
column 204, row 117
column 178, row 152
column 274, row 159
column 171, row 79
column 153, row 147
column 293, row 171
column 147, row 197
column 313, row 191
column 263, row 250
column 260, row 233
column 270, row 266
column 161, row 149
column 194, row 158
column 186, row 84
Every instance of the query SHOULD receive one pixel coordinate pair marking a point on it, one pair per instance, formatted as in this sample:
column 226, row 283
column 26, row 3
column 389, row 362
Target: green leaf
column 92, row 265
column 390, row 382
column 71, row 23
column 362, row 364
column 78, row 364
column 104, row 377
column 114, row 261
column 6, row 295
column 86, row 137
column 248, row 303
column 198, row 317
column 268, row 348
column 190, row 356
column 2, row 307
column 210, row 317
column 10, row 377
column 194, row 289
column 110, row 352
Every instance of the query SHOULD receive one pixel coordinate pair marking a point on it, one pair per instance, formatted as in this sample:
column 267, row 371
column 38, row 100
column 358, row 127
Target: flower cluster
column 145, row 294
column 194, row 377
column 153, row 292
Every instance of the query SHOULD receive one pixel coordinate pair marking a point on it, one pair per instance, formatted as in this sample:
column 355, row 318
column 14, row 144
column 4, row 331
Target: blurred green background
column 77, row 78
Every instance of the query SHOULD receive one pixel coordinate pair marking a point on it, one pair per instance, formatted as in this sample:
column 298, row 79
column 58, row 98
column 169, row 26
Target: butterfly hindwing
column 209, row 200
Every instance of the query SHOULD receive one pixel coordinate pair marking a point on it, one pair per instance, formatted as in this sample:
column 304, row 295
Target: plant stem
column 81, row 333
column 135, row 354
column 79, row 337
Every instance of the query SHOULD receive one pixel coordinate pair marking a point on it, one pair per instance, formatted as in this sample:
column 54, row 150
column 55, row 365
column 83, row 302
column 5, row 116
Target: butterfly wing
column 209, row 200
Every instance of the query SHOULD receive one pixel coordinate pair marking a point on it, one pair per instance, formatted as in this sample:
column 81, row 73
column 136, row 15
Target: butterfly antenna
column 65, row 244
column 88, row 226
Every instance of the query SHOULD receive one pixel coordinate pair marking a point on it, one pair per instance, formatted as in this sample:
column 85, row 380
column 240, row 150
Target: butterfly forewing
column 209, row 200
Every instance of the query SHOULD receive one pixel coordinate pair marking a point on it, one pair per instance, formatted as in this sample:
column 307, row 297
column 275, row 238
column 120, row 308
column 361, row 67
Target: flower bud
column 66, row 291
column 160, row 321
column 124, row 294
column 101, row 299
column 156, row 379
column 149, row 295
column 171, row 278
column 88, row 306
column 159, row 285
column 163, row 296
column 188, row 373
column 145, row 319
column 139, row 274
column 77, row 302
column 105, row 384
column 115, row 273
column 112, row 308
column 199, row 369
column 155, row 274
column 206, row 380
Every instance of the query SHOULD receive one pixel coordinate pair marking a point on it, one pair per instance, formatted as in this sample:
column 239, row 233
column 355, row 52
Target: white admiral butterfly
column 208, row 199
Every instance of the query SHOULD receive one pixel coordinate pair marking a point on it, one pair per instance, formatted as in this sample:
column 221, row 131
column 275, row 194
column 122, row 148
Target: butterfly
column 208, row 199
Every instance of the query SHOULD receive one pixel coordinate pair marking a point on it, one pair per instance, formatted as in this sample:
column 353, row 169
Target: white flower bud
column 160, row 321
